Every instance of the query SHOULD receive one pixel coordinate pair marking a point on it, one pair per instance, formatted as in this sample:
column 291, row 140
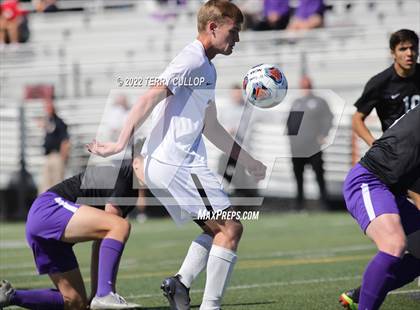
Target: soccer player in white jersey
column 174, row 156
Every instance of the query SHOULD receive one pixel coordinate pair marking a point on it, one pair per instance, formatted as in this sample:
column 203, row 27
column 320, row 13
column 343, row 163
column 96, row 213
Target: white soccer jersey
column 178, row 121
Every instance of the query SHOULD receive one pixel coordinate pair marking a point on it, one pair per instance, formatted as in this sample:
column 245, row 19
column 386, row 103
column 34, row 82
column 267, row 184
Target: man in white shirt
column 174, row 156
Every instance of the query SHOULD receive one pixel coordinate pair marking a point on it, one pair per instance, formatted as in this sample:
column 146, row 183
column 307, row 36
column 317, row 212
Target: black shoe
column 350, row 299
column 177, row 294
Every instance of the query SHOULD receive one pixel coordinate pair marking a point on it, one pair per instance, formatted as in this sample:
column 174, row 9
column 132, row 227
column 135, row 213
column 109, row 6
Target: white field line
column 262, row 285
column 13, row 244
column 240, row 287
column 403, row 292
column 285, row 283
column 327, row 252
column 244, row 265
column 281, row 283
column 311, row 253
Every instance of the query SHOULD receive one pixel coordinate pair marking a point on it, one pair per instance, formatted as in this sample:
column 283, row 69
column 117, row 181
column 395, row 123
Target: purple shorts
column 367, row 198
column 46, row 223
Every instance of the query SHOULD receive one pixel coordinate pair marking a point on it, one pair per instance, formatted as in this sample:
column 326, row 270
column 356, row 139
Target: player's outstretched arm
column 360, row 128
column 138, row 114
column 218, row 135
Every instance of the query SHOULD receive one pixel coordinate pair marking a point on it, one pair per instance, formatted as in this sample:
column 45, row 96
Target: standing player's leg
column 409, row 268
column 219, row 256
column 185, row 186
column 227, row 234
column 222, row 259
column 375, row 208
column 196, row 259
column 381, row 273
column 176, row 288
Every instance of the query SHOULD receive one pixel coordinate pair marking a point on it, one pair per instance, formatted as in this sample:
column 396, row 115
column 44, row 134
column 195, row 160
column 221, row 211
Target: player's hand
column 103, row 149
column 257, row 169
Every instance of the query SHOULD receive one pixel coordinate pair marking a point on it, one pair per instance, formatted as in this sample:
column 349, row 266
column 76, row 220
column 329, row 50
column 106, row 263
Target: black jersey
column 390, row 94
column 104, row 183
column 395, row 157
column 415, row 186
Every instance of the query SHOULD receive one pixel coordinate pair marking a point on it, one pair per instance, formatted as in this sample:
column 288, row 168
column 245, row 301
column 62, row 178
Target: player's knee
column 207, row 230
column 75, row 302
column 128, row 229
column 395, row 245
column 119, row 228
column 125, row 228
column 234, row 231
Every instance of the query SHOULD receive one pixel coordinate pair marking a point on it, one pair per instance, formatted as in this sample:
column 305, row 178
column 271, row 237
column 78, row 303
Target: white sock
column 219, row 269
column 196, row 259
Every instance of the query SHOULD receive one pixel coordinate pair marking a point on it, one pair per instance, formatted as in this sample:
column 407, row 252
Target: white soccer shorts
column 185, row 192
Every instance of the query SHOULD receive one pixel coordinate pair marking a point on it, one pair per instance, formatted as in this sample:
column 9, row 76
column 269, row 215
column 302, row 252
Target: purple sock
column 109, row 257
column 408, row 270
column 44, row 299
column 378, row 279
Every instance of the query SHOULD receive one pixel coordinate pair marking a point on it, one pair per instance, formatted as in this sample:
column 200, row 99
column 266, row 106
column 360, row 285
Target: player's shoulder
column 417, row 72
column 192, row 57
column 382, row 77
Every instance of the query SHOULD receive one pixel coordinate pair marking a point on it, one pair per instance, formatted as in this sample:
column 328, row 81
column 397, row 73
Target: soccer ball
column 265, row 86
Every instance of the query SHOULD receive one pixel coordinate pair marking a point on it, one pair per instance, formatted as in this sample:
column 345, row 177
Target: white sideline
column 283, row 283
column 307, row 253
column 259, row 285
column 404, row 292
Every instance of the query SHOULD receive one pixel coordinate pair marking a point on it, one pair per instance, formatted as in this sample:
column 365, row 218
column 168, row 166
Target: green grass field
column 286, row 261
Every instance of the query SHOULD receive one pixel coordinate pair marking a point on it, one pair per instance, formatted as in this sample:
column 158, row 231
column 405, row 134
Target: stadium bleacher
column 83, row 53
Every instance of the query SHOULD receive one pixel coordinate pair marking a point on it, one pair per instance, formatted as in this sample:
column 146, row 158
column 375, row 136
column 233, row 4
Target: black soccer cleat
column 350, row 299
column 177, row 294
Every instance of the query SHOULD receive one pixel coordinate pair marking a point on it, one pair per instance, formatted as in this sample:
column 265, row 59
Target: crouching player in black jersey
column 375, row 194
column 392, row 93
column 56, row 222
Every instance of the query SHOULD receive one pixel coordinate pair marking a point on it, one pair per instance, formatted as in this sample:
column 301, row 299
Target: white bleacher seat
column 129, row 43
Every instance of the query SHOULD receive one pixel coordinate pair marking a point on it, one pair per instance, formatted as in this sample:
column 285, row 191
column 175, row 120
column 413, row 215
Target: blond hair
column 217, row 11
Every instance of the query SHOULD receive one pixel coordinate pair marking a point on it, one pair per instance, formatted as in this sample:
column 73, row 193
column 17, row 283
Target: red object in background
column 40, row 91
column 10, row 9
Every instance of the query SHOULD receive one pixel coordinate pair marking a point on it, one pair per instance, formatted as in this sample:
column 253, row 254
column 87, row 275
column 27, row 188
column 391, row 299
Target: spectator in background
column 56, row 146
column 166, row 9
column 116, row 116
column 308, row 15
column 45, row 6
column 307, row 137
column 13, row 23
column 276, row 15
